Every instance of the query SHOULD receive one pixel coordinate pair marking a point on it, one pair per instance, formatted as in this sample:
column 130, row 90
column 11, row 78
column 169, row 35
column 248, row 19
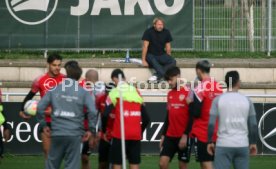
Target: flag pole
column 122, row 123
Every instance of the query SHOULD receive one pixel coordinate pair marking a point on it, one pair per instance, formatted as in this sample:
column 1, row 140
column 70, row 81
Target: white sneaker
column 152, row 79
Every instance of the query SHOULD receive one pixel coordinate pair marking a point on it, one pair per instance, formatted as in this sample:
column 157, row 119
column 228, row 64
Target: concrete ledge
column 253, row 71
column 160, row 86
column 248, row 75
column 258, row 86
column 18, row 84
column 12, row 98
column 10, row 73
column 183, row 63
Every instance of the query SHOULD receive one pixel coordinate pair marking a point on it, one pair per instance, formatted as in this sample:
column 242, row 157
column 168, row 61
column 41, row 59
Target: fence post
column 46, row 36
column 7, row 97
column 269, row 27
column 45, row 53
column 10, row 43
column 207, row 44
column 78, row 36
column 203, row 24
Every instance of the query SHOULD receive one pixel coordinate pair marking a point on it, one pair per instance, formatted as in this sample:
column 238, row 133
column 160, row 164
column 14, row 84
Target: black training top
column 157, row 40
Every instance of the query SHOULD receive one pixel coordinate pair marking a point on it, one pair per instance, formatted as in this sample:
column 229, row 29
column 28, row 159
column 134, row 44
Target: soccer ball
column 30, row 107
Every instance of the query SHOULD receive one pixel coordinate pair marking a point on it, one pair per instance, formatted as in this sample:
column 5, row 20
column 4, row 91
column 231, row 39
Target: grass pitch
column 148, row 162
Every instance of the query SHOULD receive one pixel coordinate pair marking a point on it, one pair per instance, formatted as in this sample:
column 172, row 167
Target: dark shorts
column 85, row 148
column 104, row 148
column 40, row 129
column 170, row 147
column 201, row 153
column 133, row 151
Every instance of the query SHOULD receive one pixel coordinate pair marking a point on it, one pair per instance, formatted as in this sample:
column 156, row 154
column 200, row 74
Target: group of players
column 105, row 101
column 193, row 119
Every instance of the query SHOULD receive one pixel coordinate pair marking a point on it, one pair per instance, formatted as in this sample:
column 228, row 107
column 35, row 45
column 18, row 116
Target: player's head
column 54, row 63
column 202, row 69
column 171, row 75
column 92, row 75
column 70, row 63
column 109, row 86
column 158, row 24
column 73, row 70
column 115, row 75
column 232, row 79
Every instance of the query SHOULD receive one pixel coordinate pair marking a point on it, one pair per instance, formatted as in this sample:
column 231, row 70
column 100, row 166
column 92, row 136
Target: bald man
column 92, row 75
column 92, row 84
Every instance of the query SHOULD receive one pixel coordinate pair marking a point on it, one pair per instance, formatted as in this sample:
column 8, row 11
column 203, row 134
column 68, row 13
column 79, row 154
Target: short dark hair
column 52, row 57
column 171, row 72
column 204, row 66
column 115, row 73
column 70, row 63
column 232, row 76
column 73, row 70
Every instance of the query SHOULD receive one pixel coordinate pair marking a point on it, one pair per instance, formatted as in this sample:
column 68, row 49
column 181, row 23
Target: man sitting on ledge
column 156, row 51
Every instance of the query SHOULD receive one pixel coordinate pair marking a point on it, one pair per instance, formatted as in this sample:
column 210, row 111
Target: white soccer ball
column 30, row 107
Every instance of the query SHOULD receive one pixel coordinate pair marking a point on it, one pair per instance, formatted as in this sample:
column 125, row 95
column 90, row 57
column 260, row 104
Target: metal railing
column 228, row 20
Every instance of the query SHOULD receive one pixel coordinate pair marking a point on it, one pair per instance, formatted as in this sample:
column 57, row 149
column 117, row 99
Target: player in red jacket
column 42, row 84
column 175, row 123
column 134, row 114
column 105, row 138
column 199, row 108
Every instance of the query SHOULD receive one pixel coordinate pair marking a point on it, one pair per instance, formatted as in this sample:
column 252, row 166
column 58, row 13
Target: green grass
column 110, row 54
column 148, row 162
